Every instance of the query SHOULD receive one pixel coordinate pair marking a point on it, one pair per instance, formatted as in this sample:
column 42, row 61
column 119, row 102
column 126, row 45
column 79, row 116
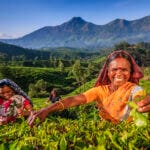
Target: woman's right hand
column 41, row 114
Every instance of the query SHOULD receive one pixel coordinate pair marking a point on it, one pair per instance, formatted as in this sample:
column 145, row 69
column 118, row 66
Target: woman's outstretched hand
column 144, row 105
column 41, row 114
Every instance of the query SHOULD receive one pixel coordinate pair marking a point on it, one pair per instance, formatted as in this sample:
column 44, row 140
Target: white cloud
column 5, row 36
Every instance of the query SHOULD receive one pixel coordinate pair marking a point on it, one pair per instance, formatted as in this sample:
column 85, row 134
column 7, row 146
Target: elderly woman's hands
column 144, row 105
column 41, row 114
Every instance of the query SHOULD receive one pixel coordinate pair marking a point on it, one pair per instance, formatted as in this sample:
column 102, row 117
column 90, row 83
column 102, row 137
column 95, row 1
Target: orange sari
column 113, row 106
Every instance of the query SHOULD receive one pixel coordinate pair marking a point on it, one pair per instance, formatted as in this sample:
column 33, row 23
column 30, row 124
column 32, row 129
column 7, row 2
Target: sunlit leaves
column 84, row 132
column 140, row 119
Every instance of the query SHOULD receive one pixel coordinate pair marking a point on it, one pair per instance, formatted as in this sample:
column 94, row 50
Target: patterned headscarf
column 15, row 87
column 136, row 72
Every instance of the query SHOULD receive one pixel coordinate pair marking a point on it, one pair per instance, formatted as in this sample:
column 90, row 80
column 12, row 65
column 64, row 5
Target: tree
column 61, row 66
column 90, row 69
column 32, row 90
column 38, row 89
column 78, row 72
column 122, row 46
column 5, row 72
column 54, row 62
column 35, row 61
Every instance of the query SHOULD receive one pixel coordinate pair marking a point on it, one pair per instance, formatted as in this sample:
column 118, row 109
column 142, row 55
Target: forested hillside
column 63, row 68
column 10, row 52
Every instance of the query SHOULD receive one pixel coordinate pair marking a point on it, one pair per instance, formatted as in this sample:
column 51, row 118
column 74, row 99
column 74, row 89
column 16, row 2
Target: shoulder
column 98, row 89
column 137, row 91
column 137, row 88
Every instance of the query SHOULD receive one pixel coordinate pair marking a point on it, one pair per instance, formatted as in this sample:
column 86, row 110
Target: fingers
column 31, row 119
column 145, row 108
column 145, row 101
column 144, row 105
column 36, row 117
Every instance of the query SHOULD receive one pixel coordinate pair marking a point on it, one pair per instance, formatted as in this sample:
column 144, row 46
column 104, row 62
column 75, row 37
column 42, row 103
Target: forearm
column 66, row 103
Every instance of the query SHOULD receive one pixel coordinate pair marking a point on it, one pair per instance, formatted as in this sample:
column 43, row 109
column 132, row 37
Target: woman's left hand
column 144, row 105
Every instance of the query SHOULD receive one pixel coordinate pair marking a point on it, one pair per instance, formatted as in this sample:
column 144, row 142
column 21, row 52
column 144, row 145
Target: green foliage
column 61, row 66
column 41, row 58
column 140, row 51
column 39, row 89
column 83, row 88
column 24, row 76
column 77, row 71
column 147, row 72
column 82, row 73
column 84, row 132
column 146, row 85
column 140, row 120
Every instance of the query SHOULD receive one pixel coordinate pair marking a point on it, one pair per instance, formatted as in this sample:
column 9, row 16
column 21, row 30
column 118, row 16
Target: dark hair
column 2, row 84
column 118, row 54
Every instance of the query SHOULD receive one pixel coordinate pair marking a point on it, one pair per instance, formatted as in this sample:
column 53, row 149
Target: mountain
column 79, row 33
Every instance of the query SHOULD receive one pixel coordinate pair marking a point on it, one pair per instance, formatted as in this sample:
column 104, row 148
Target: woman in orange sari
column 116, row 84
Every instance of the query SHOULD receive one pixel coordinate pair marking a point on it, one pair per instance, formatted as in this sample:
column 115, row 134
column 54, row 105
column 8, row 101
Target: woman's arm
column 60, row 105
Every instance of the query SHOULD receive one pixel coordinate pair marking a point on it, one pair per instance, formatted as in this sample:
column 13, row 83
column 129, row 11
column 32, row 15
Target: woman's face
column 6, row 92
column 119, row 71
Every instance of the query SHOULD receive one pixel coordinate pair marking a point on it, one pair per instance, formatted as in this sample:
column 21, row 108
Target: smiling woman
column 117, row 84
column 13, row 102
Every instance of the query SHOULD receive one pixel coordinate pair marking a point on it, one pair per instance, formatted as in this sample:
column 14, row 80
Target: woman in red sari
column 13, row 102
column 116, row 84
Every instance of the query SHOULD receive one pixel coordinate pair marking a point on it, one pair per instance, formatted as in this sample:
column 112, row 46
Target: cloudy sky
column 20, row 17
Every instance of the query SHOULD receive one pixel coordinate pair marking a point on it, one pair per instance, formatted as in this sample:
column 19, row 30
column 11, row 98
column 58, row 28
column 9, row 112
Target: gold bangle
column 63, row 107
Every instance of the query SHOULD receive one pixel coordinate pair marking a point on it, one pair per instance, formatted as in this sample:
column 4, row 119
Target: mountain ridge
column 78, row 33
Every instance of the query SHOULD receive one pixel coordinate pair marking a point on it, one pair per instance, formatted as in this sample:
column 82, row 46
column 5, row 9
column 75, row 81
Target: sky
column 21, row 17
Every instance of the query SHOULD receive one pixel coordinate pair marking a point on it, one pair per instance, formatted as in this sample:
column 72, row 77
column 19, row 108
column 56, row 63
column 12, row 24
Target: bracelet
column 63, row 107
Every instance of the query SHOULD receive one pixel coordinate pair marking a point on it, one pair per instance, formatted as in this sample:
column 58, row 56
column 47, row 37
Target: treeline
column 140, row 51
column 15, row 53
column 11, row 55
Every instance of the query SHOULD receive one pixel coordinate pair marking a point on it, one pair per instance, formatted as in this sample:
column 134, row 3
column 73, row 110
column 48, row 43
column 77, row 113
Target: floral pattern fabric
column 9, row 109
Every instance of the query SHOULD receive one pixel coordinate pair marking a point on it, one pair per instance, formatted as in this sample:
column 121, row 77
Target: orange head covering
column 136, row 72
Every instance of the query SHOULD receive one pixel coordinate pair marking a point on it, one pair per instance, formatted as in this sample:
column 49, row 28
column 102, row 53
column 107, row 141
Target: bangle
column 63, row 107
